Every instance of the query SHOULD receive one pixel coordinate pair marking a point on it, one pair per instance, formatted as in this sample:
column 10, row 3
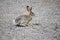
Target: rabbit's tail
column 14, row 22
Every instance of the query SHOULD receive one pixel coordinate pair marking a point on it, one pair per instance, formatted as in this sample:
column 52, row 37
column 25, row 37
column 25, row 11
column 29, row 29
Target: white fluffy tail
column 14, row 22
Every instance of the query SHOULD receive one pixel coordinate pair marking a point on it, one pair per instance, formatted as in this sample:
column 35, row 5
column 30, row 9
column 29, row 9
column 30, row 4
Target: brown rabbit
column 25, row 18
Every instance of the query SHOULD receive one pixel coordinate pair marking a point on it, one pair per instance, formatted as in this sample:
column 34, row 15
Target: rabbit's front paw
column 27, row 24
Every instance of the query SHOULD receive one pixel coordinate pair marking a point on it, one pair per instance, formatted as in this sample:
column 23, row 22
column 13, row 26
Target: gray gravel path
column 47, row 16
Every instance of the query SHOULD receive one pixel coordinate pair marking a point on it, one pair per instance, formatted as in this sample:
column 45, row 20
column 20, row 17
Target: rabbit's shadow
column 19, row 25
column 36, row 24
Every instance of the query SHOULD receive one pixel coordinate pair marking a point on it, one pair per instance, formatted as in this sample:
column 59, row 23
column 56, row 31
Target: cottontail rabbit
column 25, row 18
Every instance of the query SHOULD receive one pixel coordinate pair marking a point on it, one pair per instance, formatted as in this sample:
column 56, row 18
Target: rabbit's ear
column 30, row 8
column 27, row 7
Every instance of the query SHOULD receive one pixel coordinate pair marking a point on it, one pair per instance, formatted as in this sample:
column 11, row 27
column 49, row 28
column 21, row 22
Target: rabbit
column 25, row 18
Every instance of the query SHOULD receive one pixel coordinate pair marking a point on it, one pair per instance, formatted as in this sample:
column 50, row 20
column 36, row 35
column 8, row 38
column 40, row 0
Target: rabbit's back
column 22, row 19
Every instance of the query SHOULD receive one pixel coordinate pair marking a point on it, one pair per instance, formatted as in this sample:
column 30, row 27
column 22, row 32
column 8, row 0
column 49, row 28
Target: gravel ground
column 44, row 26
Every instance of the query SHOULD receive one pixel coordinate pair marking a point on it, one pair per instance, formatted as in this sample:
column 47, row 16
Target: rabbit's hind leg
column 20, row 25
